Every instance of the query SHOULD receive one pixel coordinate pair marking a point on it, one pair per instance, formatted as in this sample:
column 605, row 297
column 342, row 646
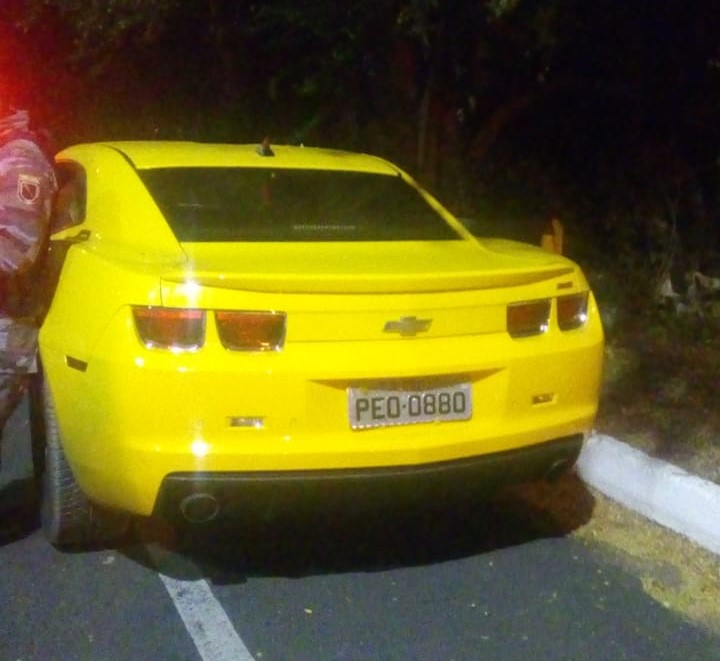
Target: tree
column 415, row 55
column 529, row 100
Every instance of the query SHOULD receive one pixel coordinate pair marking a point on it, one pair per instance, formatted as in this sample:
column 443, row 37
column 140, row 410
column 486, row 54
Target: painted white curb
column 660, row 491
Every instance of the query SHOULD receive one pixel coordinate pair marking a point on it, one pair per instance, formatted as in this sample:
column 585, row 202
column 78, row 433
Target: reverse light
column 176, row 329
column 572, row 311
column 251, row 331
column 528, row 318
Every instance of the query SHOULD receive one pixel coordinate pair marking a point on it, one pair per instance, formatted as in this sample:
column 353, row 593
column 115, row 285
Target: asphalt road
column 460, row 581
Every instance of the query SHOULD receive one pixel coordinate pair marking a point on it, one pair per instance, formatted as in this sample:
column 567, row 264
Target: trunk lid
column 367, row 268
column 372, row 291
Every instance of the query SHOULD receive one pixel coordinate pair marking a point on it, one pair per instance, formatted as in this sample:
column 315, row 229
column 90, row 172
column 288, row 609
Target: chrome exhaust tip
column 199, row 508
column 557, row 470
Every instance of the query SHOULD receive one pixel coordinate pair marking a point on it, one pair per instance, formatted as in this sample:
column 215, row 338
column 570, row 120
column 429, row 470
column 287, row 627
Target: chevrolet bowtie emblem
column 407, row 326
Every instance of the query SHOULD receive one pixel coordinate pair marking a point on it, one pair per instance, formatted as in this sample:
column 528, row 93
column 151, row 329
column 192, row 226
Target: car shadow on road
column 19, row 515
column 304, row 539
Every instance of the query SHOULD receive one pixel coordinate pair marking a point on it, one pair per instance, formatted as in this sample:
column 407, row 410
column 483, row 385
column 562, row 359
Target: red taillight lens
column 572, row 311
column 528, row 318
column 170, row 328
column 251, row 331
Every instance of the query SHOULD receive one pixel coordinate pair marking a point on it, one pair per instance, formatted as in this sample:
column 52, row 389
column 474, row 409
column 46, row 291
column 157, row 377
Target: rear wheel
column 67, row 516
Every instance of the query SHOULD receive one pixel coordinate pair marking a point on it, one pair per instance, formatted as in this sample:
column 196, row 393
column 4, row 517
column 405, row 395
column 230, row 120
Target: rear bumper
column 135, row 420
column 254, row 491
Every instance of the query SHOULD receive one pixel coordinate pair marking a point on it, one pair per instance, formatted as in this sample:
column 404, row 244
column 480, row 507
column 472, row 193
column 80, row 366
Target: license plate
column 383, row 408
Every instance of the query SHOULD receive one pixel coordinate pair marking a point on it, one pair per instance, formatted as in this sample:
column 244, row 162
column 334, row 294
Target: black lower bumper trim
column 250, row 490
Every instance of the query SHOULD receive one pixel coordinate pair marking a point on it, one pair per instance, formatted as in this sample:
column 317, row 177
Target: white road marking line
column 205, row 619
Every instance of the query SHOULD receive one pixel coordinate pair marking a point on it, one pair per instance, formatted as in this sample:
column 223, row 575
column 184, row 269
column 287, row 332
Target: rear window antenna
column 264, row 148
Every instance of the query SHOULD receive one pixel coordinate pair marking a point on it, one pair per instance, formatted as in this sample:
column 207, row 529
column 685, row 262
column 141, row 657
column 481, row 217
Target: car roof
column 166, row 154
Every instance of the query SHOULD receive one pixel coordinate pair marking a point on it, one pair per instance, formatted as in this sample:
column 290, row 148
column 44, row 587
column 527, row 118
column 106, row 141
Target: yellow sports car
column 233, row 318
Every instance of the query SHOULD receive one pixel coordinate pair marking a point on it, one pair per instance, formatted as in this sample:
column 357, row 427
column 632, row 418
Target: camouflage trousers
column 18, row 359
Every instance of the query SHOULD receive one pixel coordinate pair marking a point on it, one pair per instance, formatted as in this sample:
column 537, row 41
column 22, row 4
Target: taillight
column 572, row 311
column 528, row 318
column 251, row 331
column 170, row 328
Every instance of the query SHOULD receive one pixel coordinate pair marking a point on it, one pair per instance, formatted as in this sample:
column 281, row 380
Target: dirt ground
column 661, row 389
column 674, row 571
column 660, row 395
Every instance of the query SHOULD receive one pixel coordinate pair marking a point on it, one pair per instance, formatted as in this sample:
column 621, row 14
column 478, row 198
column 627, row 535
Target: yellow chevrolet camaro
column 229, row 319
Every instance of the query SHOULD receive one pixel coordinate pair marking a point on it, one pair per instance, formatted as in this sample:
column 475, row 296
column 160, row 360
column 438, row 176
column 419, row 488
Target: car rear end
column 353, row 340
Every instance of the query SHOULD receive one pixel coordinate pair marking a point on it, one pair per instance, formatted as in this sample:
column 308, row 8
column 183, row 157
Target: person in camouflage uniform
column 27, row 186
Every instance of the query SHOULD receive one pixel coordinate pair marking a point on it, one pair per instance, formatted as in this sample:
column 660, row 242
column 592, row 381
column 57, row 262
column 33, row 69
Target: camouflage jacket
column 27, row 186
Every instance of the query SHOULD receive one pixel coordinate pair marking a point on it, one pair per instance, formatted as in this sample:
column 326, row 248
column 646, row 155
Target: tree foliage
column 595, row 110
column 349, row 60
column 102, row 25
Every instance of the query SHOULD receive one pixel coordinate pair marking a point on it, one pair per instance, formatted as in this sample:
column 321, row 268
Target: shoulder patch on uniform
column 28, row 188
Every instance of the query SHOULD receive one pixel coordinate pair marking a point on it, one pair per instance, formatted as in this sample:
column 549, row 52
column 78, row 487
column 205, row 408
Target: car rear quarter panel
column 121, row 217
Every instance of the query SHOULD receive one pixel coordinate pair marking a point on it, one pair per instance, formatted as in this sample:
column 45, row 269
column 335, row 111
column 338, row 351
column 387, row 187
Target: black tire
column 68, row 518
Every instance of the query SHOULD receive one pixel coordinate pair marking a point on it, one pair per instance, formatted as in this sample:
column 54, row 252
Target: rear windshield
column 261, row 204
